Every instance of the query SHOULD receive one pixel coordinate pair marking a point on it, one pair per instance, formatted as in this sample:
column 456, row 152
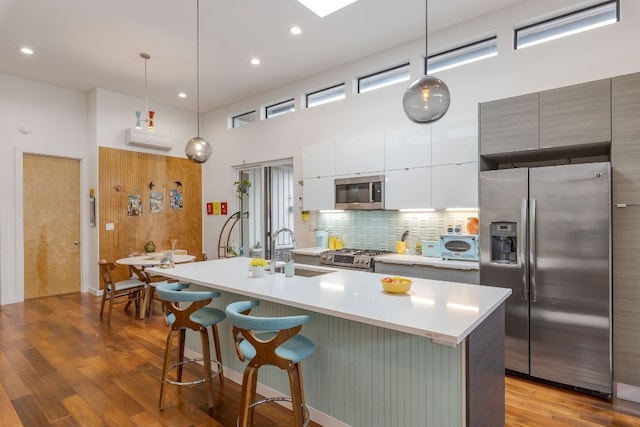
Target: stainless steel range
column 354, row 259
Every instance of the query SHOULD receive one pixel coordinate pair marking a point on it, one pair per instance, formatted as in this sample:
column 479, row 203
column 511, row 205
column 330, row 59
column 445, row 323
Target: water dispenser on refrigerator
column 504, row 242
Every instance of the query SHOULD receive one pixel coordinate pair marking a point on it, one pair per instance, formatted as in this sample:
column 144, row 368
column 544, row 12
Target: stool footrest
column 217, row 372
column 307, row 414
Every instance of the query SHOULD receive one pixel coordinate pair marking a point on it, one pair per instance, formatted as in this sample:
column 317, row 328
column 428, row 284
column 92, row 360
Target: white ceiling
column 87, row 44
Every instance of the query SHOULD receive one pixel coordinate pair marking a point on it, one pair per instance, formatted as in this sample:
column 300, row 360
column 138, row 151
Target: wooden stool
column 277, row 344
column 196, row 317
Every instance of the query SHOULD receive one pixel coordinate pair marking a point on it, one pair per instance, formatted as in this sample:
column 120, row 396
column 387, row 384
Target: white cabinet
column 318, row 160
column 408, row 188
column 407, row 148
column 318, row 193
column 455, row 186
column 457, row 142
column 361, row 155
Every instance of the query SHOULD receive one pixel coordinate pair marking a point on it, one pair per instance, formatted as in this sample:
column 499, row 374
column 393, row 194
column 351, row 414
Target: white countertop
column 309, row 251
column 446, row 312
column 406, row 259
column 430, row 261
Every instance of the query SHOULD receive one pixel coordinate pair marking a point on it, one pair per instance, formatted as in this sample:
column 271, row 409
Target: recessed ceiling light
column 255, row 61
column 26, row 50
column 182, row 95
column 323, row 8
column 295, row 30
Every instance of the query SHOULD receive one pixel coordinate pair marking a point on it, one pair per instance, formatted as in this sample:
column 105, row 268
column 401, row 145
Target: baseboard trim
column 628, row 392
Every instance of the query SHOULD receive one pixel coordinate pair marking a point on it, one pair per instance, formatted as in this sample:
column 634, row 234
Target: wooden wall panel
column 122, row 172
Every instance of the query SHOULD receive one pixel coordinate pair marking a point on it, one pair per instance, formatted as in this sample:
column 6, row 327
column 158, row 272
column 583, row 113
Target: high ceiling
column 84, row 44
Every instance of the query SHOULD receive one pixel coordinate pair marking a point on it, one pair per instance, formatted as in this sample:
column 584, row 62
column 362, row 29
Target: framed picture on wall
column 176, row 199
column 156, row 202
column 134, row 205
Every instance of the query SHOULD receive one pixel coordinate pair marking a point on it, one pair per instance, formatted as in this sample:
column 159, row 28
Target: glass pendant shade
column 198, row 150
column 426, row 100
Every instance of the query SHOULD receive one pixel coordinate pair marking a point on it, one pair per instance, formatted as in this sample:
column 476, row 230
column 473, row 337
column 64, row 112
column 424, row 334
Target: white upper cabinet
column 407, row 148
column 361, row 155
column 318, row 193
column 455, row 142
column 408, row 188
column 455, row 186
column 318, row 160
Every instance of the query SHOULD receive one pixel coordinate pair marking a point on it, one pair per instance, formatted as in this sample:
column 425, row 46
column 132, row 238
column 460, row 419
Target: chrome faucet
column 272, row 266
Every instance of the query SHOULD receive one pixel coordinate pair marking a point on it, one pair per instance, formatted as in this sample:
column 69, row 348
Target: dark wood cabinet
column 625, row 147
column 509, row 125
column 576, row 115
column 625, row 186
column 560, row 122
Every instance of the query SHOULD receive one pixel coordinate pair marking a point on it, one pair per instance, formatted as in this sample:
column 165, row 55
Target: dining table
column 141, row 262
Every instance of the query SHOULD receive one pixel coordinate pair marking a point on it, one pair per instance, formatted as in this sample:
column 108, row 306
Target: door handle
column 522, row 249
column 532, row 248
column 75, row 242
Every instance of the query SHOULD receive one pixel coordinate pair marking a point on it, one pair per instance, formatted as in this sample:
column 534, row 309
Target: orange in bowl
column 396, row 284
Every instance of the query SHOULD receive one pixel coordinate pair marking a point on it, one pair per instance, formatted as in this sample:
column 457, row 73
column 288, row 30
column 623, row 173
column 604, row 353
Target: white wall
column 54, row 122
column 71, row 124
column 601, row 53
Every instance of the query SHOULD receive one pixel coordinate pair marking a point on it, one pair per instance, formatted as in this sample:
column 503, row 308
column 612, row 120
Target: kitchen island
column 431, row 357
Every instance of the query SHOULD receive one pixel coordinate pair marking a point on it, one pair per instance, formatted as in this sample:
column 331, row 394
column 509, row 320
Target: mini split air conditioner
column 144, row 139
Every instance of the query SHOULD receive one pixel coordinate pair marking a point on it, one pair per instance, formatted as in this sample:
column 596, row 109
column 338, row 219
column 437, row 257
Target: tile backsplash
column 381, row 229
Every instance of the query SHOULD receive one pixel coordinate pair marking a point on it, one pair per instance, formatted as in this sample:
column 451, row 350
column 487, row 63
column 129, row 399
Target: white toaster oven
column 459, row 246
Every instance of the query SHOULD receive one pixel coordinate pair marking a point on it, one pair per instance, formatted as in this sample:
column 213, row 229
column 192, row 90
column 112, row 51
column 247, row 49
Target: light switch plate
column 110, row 226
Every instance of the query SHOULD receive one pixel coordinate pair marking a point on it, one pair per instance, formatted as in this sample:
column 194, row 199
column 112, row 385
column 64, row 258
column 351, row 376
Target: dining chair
column 275, row 341
column 132, row 289
column 184, row 310
column 152, row 280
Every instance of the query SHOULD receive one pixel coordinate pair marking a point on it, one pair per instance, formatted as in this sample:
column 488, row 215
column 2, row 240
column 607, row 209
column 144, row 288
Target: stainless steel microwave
column 362, row 192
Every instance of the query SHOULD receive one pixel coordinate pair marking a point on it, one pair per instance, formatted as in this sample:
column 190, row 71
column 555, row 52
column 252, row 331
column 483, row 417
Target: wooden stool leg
column 206, row 359
column 248, row 395
column 297, row 398
column 216, row 342
column 165, row 367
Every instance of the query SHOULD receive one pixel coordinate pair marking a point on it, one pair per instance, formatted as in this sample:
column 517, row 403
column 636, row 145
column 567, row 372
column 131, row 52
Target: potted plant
column 305, row 216
column 258, row 266
column 242, row 188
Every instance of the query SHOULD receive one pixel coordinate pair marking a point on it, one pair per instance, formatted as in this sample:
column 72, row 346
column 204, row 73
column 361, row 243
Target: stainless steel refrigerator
column 545, row 233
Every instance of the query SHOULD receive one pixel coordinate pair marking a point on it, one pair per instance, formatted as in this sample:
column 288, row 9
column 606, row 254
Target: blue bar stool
column 198, row 318
column 278, row 343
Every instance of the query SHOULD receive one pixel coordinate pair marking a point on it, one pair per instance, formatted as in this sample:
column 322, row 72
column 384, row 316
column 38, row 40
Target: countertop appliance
column 545, row 233
column 361, row 192
column 459, row 246
column 353, row 259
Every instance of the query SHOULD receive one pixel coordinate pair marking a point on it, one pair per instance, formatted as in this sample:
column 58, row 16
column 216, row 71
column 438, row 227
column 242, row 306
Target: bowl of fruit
column 396, row 284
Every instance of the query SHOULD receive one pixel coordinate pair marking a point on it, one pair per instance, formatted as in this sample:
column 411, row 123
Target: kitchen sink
column 307, row 271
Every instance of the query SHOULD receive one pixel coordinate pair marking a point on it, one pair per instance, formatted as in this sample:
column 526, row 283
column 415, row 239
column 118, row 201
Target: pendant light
column 150, row 114
column 427, row 99
column 198, row 149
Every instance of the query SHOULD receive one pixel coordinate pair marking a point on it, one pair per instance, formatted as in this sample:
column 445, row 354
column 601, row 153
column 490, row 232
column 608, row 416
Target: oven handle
column 344, row 267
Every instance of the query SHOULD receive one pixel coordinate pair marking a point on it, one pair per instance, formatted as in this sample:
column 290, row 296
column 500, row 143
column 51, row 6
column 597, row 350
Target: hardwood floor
column 61, row 366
